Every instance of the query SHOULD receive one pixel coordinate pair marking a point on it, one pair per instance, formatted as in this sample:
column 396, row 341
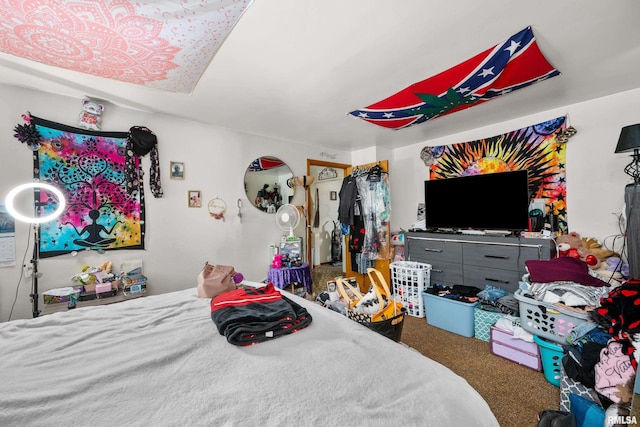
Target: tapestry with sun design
column 535, row 148
column 89, row 168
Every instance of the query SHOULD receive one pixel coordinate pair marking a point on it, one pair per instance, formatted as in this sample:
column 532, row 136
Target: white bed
column 160, row 361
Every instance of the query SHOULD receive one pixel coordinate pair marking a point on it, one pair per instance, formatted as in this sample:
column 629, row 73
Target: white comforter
column 159, row 361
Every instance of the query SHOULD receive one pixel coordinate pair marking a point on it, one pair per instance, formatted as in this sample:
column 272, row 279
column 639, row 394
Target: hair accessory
column 217, row 207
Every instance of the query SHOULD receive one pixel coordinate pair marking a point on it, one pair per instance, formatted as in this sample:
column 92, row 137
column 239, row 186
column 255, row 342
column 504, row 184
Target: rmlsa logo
column 620, row 419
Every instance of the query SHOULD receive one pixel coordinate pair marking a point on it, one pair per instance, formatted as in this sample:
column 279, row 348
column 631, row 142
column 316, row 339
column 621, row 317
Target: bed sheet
column 159, row 360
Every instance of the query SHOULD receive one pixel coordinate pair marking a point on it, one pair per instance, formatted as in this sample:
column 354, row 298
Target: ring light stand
column 36, row 220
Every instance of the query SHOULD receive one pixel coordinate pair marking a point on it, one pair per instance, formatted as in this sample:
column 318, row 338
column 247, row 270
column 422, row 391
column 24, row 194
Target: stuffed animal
column 568, row 244
column 91, row 114
column 589, row 250
column 593, row 247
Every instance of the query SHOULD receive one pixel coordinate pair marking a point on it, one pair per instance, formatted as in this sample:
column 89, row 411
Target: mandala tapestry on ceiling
column 89, row 168
column 535, row 148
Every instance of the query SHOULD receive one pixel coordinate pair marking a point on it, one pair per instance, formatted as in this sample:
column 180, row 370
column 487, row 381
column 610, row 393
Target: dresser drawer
column 446, row 273
column 499, row 256
column 477, row 276
column 430, row 251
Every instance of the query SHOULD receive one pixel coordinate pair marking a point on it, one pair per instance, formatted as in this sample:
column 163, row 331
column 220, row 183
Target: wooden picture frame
column 333, row 195
column 194, row 198
column 176, row 170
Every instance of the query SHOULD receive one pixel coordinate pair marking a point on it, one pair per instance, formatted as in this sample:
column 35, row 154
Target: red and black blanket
column 248, row 316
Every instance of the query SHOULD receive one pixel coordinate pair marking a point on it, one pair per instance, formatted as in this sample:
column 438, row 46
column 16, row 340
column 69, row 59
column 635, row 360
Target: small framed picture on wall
column 177, row 170
column 195, row 199
column 333, row 195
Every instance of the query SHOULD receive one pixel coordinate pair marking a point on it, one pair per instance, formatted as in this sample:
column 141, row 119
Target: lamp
column 630, row 140
column 36, row 220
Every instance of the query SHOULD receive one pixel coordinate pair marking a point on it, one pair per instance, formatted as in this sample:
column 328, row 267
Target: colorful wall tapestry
column 511, row 65
column 540, row 149
column 89, row 168
column 164, row 44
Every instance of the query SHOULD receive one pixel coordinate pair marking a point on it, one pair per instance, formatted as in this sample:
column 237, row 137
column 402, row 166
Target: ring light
column 35, row 220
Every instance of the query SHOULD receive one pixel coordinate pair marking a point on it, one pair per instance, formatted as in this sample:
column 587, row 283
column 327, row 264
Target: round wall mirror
column 265, row 183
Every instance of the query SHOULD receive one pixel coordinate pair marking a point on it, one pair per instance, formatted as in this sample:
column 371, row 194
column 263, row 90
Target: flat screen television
column 493, row 201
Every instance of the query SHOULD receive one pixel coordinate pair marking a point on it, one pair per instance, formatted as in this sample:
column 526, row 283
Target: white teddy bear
column 90, row 116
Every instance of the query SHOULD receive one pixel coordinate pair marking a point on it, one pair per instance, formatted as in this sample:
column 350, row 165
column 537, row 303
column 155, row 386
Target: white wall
column 179, row 239
column 595, row 177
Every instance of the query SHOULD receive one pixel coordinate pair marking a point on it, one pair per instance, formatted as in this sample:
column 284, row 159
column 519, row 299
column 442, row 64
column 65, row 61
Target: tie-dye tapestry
column 536, row 148
column 89, row 168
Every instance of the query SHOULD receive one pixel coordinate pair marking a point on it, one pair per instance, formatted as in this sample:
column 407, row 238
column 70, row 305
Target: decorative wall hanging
column 327, row 173
column 89, row 168
column 535, row 148
column 514, row 64
column 91, row 115
column 194, row 199
column 217, row 208
column 164, row 44
column 177, row 170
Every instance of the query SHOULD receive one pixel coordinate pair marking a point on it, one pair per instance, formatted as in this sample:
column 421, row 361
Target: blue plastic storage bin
column 551, row 355
column 451, row 315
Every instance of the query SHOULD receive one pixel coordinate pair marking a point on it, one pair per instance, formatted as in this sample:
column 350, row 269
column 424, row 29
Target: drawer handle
column 496, row 256
column 432, row 250
column 435, row 270
column 488, row 279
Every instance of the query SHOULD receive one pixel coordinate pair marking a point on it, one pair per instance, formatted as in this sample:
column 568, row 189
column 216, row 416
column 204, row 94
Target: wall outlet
column 28, row 270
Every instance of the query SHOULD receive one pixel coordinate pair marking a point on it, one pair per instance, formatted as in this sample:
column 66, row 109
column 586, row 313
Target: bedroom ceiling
column 294, row 69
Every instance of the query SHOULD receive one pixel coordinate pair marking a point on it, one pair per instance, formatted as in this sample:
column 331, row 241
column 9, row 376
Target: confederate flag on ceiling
column 508, row 66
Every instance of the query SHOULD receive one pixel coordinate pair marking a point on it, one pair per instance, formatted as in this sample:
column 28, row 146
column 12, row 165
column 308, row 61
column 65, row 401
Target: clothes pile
column 567, row 281
column 247, row 316
column 498, row 300
column 598, row 353
column 462, row 293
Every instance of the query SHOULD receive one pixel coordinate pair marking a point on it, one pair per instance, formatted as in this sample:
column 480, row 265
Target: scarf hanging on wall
column 140, row 142
column 536, row 148
column 89, row 168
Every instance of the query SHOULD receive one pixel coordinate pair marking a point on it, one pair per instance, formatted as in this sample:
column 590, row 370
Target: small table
column 285, row 276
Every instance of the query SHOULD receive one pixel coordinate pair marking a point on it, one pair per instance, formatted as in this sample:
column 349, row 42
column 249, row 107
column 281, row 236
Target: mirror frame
column 265, row 183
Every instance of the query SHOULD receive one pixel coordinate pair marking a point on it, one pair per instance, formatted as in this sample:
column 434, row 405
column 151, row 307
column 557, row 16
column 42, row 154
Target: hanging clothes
column 373, row 189
column 348, row 197
column 140, row 142
column 356, row 237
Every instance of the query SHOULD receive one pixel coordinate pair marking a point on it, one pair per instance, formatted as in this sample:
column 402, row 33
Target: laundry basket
column 551, row 355
column 547, row 320
column 409, row 279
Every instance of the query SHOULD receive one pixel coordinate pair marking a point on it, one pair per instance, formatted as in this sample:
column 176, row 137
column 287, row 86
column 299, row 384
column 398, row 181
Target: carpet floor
column 516, row 394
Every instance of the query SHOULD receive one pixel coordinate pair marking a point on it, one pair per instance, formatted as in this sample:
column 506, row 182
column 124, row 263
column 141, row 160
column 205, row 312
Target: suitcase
column 525, row 353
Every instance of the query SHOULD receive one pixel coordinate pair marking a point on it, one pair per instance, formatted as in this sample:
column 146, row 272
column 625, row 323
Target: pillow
column 588, row 413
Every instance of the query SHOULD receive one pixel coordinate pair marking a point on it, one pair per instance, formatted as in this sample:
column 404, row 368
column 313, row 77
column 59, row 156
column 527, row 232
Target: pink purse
column 215, row 279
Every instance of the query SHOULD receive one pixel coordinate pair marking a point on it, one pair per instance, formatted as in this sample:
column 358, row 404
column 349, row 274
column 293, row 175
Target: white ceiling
column 293, row 69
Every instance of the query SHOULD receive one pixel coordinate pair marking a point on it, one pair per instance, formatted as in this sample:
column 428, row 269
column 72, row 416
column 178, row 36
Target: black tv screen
column 493, row 201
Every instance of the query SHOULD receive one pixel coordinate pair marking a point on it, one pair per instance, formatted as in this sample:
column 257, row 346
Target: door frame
column 307, row 205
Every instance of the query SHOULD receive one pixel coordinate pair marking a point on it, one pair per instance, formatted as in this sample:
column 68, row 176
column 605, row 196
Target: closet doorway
column 321, row 210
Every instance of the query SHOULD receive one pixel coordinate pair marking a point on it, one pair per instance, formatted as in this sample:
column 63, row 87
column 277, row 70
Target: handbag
column 392, row 308
column 214, row 280
column 375, row 306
